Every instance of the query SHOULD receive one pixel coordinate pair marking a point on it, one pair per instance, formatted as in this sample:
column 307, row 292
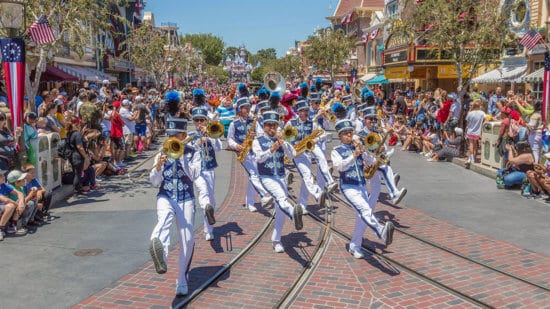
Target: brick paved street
column 339, row 280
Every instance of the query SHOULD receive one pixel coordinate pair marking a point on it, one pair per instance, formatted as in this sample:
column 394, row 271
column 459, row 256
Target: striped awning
column 510, row 71
column 87, row 73
column 534, row 77
column 378, row 79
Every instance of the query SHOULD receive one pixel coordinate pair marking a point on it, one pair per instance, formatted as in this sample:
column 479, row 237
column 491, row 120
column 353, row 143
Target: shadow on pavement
column 295, row 248
column 223, row 234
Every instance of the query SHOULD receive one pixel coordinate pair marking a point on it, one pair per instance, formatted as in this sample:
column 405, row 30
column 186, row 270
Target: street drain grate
column 88, row 252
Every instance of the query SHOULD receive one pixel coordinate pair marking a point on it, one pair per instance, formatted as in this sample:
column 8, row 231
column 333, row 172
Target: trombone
column 172, row 147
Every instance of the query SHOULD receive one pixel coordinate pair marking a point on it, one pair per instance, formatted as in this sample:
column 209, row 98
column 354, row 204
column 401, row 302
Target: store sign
column 374, row 70
column 397, row 40
column 395, row 56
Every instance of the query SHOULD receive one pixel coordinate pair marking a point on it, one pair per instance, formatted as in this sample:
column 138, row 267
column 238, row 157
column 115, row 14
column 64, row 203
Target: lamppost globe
column 12, row 16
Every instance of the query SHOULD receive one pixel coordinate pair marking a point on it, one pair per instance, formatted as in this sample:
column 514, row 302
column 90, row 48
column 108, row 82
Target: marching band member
column 384, row 171
column 175, row 200
column 303, row 161
column 239, row 130
column 270, row 150
column 207, row 148
column 349, row 160
column 324, row 177
column 350, row 108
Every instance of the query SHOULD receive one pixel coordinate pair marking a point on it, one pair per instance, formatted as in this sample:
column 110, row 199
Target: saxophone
column 307, row 142
column 247, row 143
column 380, row 158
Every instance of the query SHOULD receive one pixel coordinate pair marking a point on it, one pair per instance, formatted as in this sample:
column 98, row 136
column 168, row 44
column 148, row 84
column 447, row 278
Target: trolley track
column 460, row 255
column 460, row 290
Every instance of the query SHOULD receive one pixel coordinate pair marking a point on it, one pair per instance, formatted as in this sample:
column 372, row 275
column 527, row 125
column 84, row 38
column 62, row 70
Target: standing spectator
column 492, row 107
column 51, row 122
column 444, row 110
column 82, row 97
column 29, row 135
column 80, row 160
column 60, row 117
column 535, row 126
column 474, row 119
column 400, row 105
column 454, row 113
column 140, row 131
column 129, row 126
column 117, row 136
column 226, row 112
column 7, row 145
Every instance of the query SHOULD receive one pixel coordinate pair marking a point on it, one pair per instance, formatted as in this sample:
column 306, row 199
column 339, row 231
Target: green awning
column 378, row 79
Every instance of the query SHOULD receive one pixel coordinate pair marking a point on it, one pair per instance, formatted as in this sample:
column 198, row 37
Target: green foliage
column 469, row 30
column 328, row 49
column 289, row 66
column 257, row 74
column 148, row 52
column 218, row 73
column 210, row 45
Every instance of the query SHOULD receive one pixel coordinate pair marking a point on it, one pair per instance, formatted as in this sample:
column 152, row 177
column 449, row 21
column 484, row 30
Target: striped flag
column 346, row 19
column 546, row 87
column 137, row 14
column 530, row 39
column 374, row 34
column 41, row 32
column 13, row 61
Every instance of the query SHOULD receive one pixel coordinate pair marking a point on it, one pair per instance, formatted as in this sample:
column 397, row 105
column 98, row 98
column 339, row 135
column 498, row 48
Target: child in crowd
column 17, row 180
column 41, row 124
column 16, row 226
column 7, row 206
column 43, row 198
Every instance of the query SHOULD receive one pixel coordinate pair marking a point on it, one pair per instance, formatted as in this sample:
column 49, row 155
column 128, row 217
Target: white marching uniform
column 324, row 178
column 353, row 186
column 238, row 130
column 272, row 176
column 206, row 179
column 303, row 163
column 176, row 200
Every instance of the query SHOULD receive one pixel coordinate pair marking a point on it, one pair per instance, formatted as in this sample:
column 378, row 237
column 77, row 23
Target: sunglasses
column 199, row 120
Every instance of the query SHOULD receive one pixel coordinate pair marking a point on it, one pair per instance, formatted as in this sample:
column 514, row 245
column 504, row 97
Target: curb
column 477, row 167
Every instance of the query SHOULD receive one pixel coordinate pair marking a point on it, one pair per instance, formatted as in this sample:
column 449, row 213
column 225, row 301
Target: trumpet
column 325, row 111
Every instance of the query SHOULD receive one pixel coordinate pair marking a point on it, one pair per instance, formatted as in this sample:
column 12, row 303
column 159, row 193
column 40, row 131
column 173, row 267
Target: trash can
column 489, row 150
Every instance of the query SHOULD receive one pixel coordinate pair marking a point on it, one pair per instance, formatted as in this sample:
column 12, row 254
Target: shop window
column 536, row 90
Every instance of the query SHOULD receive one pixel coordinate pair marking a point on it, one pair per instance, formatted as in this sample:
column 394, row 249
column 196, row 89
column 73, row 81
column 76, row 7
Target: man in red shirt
column 117, row 136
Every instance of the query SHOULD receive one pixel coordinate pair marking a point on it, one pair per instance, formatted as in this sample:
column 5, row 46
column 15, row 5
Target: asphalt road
column 42, row 271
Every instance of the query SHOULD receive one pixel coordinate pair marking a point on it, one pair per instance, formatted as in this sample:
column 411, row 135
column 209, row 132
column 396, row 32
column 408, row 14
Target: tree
column 328, row 49
column 230, row 51
column 469, row 33
column 257, row 74
column 289, row 66
column 73, row 25
column 148, row 52
column 210, row 45
column 217, row 72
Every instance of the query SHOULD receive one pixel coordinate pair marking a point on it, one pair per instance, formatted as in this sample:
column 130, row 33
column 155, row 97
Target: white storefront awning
column 367, row 76
column 87, row 73
column 534, row 77
column 510, row 71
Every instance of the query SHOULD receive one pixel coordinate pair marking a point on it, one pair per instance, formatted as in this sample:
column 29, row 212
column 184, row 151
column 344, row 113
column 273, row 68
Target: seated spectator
column 400, row 130
column 414, row 140
column 16, row 226
column 17, row 178
column 452, row 149
column 43, row 198
column 539, row 180
column 7, row 145
column 429, row 142
column 520, row 160
column 7, row 207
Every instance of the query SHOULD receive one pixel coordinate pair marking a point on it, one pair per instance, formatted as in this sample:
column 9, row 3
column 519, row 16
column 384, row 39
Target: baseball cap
column 16, row 175
column 126, row 102
column 116, row 104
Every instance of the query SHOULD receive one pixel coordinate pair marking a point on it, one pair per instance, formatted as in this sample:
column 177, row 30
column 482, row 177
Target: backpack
column 64, row 148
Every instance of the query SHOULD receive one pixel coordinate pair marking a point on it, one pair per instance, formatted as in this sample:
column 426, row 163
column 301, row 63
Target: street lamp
column 12, row 16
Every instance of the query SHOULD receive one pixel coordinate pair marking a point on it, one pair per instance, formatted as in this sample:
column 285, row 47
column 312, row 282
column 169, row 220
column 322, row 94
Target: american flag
column 137, row 14
column 346, row 19
column 546, row 87
column 13, row 61
column 530, row 39
column 41, row 32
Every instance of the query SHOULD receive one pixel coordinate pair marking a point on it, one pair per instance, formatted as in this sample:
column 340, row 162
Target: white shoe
column 278, row 247
column 208, row 237
column 429, row 154
column 331, row 187
column 266, row 201
column 182, row 290
column 252, row 208
column 432, row 160
column 357, row 254
column 387, row 233
column 399, row 196
column 304, row 209
column 390, row 152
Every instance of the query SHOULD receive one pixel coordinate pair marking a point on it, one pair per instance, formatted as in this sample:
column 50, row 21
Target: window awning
column 53, row 74
column 378, row 79
column 534, row 77
column 367, row 76
column 508, row 72
column 87, row 74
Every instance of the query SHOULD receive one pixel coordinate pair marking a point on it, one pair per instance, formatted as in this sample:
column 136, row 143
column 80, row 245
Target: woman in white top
column 474, row 121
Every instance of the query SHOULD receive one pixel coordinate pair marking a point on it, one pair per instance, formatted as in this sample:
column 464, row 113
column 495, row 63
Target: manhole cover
column 88, row 252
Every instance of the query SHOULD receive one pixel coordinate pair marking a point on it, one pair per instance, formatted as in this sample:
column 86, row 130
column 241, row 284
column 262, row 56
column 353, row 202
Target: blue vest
column 175, row 185
column 354, row 175
column 304, row 128
column 274, row 165
column 208, row 154
column 350, row 109
column 312, row 114
column 241, row 129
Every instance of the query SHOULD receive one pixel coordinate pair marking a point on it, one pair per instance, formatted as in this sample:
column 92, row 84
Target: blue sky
column 256, row 24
